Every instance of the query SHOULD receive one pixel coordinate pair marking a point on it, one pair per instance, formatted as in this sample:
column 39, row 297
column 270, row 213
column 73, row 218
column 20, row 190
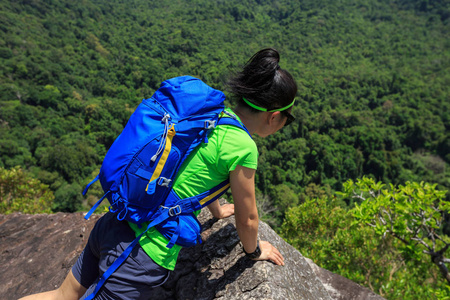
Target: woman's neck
column 251, row 121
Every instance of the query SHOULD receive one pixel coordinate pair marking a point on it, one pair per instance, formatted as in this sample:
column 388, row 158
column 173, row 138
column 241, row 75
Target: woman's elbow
column 250, row 220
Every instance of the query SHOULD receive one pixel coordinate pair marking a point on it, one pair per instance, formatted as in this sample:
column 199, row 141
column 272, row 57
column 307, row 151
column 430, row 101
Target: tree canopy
column 373, row 99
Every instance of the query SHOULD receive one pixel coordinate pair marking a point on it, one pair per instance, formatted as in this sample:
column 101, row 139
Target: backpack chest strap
column 191, row 204
column 174, row 206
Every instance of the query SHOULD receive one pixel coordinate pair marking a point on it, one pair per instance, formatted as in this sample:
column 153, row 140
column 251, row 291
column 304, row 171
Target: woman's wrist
column 255, row 254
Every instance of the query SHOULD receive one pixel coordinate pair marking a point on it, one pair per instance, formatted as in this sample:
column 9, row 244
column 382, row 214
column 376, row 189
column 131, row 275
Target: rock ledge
column 37, row 251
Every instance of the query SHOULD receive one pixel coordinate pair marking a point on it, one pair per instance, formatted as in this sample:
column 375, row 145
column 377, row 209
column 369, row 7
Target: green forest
column 372, row 114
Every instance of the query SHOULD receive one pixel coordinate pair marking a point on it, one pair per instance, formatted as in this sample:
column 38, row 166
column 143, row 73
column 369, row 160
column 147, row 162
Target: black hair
column 263, row 82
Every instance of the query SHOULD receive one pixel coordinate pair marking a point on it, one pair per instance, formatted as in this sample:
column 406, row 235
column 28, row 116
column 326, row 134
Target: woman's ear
column 274, row 117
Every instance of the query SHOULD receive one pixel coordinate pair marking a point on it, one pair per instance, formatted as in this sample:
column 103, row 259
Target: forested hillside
column 374, row 83
column 373, row 76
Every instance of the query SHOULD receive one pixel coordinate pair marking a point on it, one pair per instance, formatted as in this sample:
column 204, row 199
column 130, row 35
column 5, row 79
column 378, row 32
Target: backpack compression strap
column 151, row 186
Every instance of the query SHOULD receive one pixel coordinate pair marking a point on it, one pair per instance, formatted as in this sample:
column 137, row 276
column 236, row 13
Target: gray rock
column 37, row 251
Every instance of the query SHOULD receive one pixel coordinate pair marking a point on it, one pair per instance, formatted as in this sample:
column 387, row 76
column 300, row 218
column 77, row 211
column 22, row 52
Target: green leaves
column 68, row 198
column 365, row 244
column 404, row 211
column 20, row 192
column 324, row 232
column 412, row 213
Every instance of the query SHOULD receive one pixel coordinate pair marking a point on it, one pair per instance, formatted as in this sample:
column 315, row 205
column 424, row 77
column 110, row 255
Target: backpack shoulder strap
column 231, row 119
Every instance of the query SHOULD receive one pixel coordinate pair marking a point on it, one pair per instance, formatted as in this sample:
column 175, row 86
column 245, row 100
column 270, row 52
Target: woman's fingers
column 277, row 258
column 269, row 252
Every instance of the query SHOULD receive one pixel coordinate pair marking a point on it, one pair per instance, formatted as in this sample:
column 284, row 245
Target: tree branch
column 423, row 243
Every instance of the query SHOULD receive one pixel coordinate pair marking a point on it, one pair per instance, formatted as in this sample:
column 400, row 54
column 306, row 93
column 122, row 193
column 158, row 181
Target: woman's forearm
column 243, row 190
column 247, row 230
column 214, row 208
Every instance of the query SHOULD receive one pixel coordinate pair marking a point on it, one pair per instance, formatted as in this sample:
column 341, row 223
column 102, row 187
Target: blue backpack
column 138, row 170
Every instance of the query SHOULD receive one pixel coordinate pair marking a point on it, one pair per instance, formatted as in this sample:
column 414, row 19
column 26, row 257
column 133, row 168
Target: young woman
column 265, row 95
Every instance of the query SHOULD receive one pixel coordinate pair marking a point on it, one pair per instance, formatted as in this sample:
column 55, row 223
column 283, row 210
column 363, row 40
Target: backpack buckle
column 210, row 124
column 164, row 181
column 174, row 211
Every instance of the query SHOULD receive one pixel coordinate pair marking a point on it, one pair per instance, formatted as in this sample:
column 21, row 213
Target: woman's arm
column 242, row 182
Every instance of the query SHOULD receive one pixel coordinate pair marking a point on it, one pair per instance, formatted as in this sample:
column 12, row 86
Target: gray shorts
column 134, row 279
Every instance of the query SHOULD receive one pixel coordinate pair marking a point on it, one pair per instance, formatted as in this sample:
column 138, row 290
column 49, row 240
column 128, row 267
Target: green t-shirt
column 208, row 165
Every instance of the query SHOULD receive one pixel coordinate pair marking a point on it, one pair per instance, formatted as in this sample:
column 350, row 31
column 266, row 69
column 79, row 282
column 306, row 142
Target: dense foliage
column 374, row 89
column 328, row 234
column 20, row 192
column 373, row 99
column 413, row 214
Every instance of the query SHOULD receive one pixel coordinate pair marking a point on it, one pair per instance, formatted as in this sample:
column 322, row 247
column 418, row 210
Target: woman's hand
column 226, row 210
column 221, row 211
column 269, row 252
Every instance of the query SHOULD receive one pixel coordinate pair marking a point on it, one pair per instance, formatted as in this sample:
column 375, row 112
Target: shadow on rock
column 205, row 271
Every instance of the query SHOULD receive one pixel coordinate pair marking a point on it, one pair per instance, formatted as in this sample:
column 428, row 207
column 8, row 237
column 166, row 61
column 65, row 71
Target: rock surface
column 37, row 251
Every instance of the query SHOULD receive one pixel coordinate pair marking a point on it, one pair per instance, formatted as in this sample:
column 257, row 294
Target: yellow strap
column 206, row 199
column 162, row 161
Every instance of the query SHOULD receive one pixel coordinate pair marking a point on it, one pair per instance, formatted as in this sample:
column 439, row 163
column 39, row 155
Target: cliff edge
column 37, row 251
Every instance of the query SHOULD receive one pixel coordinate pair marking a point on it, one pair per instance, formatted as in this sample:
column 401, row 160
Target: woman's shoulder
column 235, row 136
column 234, row 131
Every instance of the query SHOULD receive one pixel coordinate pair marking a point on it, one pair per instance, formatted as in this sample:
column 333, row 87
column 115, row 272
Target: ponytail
column 263, row 83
